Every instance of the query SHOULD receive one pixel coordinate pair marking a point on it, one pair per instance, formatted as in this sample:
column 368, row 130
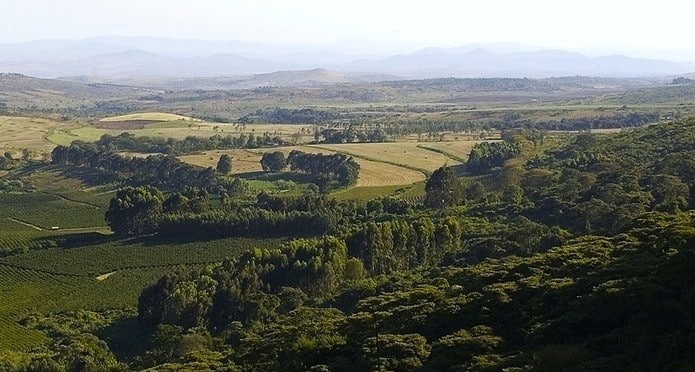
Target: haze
column 644, row 29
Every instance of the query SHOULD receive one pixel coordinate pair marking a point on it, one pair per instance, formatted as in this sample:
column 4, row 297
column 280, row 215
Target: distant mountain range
column 113, row 59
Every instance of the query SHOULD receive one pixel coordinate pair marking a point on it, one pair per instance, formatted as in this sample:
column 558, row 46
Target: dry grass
column 17, row 133
column 148, row 116
column 243, row 161
column 182, row 129
column 397, row 153
column 372, row 173
column 456, row 149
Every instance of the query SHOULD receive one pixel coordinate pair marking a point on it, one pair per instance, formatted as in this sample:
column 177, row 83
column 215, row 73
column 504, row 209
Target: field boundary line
column 47, row 272
column 406, row 166
column 71, row 200
column 27, row 224
column 443, row 152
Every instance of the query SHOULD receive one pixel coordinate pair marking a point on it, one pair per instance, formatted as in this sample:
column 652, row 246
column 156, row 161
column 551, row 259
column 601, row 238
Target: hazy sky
column 645, row 26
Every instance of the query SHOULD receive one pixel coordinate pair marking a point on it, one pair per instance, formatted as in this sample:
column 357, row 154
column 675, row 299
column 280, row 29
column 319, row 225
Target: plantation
column 61, row 279
column 46, row 211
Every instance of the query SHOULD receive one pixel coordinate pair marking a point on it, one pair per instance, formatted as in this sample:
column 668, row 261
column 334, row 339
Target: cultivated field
column 63, row 280
column 404, row 154
column 45, row 211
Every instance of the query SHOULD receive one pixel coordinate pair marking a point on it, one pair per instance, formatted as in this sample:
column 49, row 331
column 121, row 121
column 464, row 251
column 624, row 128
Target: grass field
column 17, row 133
column 148, row 116
column 243, row 161
column 180, row 129
column 457, row 150
column 66, row 279
column 404, row 154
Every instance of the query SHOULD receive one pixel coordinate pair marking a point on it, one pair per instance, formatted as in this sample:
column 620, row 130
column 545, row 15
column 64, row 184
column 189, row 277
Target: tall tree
column 273, row 161
column 442, row 189
column 134, row 210
column 224, row 165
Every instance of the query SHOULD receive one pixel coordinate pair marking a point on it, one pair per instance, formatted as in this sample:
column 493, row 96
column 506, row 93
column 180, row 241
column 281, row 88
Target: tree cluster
column 157, row 170
column 486, row 156
column 171, row 146
column 290, row 116
column 338, row 169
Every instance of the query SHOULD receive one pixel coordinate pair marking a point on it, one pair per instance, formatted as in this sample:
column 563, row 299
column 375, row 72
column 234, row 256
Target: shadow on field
column 285, row 176
column 126, row 337
column 156, row 240
column 75, row 240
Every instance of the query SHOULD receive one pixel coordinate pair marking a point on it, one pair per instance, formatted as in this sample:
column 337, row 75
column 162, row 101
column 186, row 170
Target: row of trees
column 144, row 210
column 250, row 288
column 349, row 135
column 159, row 170
column 171, row 146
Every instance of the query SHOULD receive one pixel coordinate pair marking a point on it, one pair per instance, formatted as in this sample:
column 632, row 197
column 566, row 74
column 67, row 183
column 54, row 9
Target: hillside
column 556, row 252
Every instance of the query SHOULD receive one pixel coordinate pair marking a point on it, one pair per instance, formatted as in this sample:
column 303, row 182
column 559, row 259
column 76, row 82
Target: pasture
column 147, row 116
column 403, row 154
column 243, row 161
column 17, row 133
column 180, row 129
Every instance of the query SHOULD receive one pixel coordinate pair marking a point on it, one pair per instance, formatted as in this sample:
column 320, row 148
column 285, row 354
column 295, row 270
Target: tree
column 442, row 189
column 134, row 210
column 224, row 165
column 273, row 161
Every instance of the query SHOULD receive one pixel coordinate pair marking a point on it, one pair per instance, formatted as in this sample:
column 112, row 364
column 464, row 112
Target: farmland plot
column 406, row 154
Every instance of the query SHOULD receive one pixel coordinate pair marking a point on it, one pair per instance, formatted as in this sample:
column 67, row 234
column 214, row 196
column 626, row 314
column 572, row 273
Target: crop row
column 48, row 210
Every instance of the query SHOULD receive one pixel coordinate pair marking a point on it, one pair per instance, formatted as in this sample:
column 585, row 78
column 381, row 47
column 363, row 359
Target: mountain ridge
column 113, row 58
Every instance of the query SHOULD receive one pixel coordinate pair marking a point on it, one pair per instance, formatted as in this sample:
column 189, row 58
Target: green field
column 61, row 279
column 47, row 211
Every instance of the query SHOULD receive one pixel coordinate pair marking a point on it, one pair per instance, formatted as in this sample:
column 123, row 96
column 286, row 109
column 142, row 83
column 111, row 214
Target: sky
column 645, row 28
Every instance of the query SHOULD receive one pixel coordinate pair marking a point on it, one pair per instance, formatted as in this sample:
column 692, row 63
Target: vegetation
column 273, row 161
column 524, row 249
column 224, row 165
